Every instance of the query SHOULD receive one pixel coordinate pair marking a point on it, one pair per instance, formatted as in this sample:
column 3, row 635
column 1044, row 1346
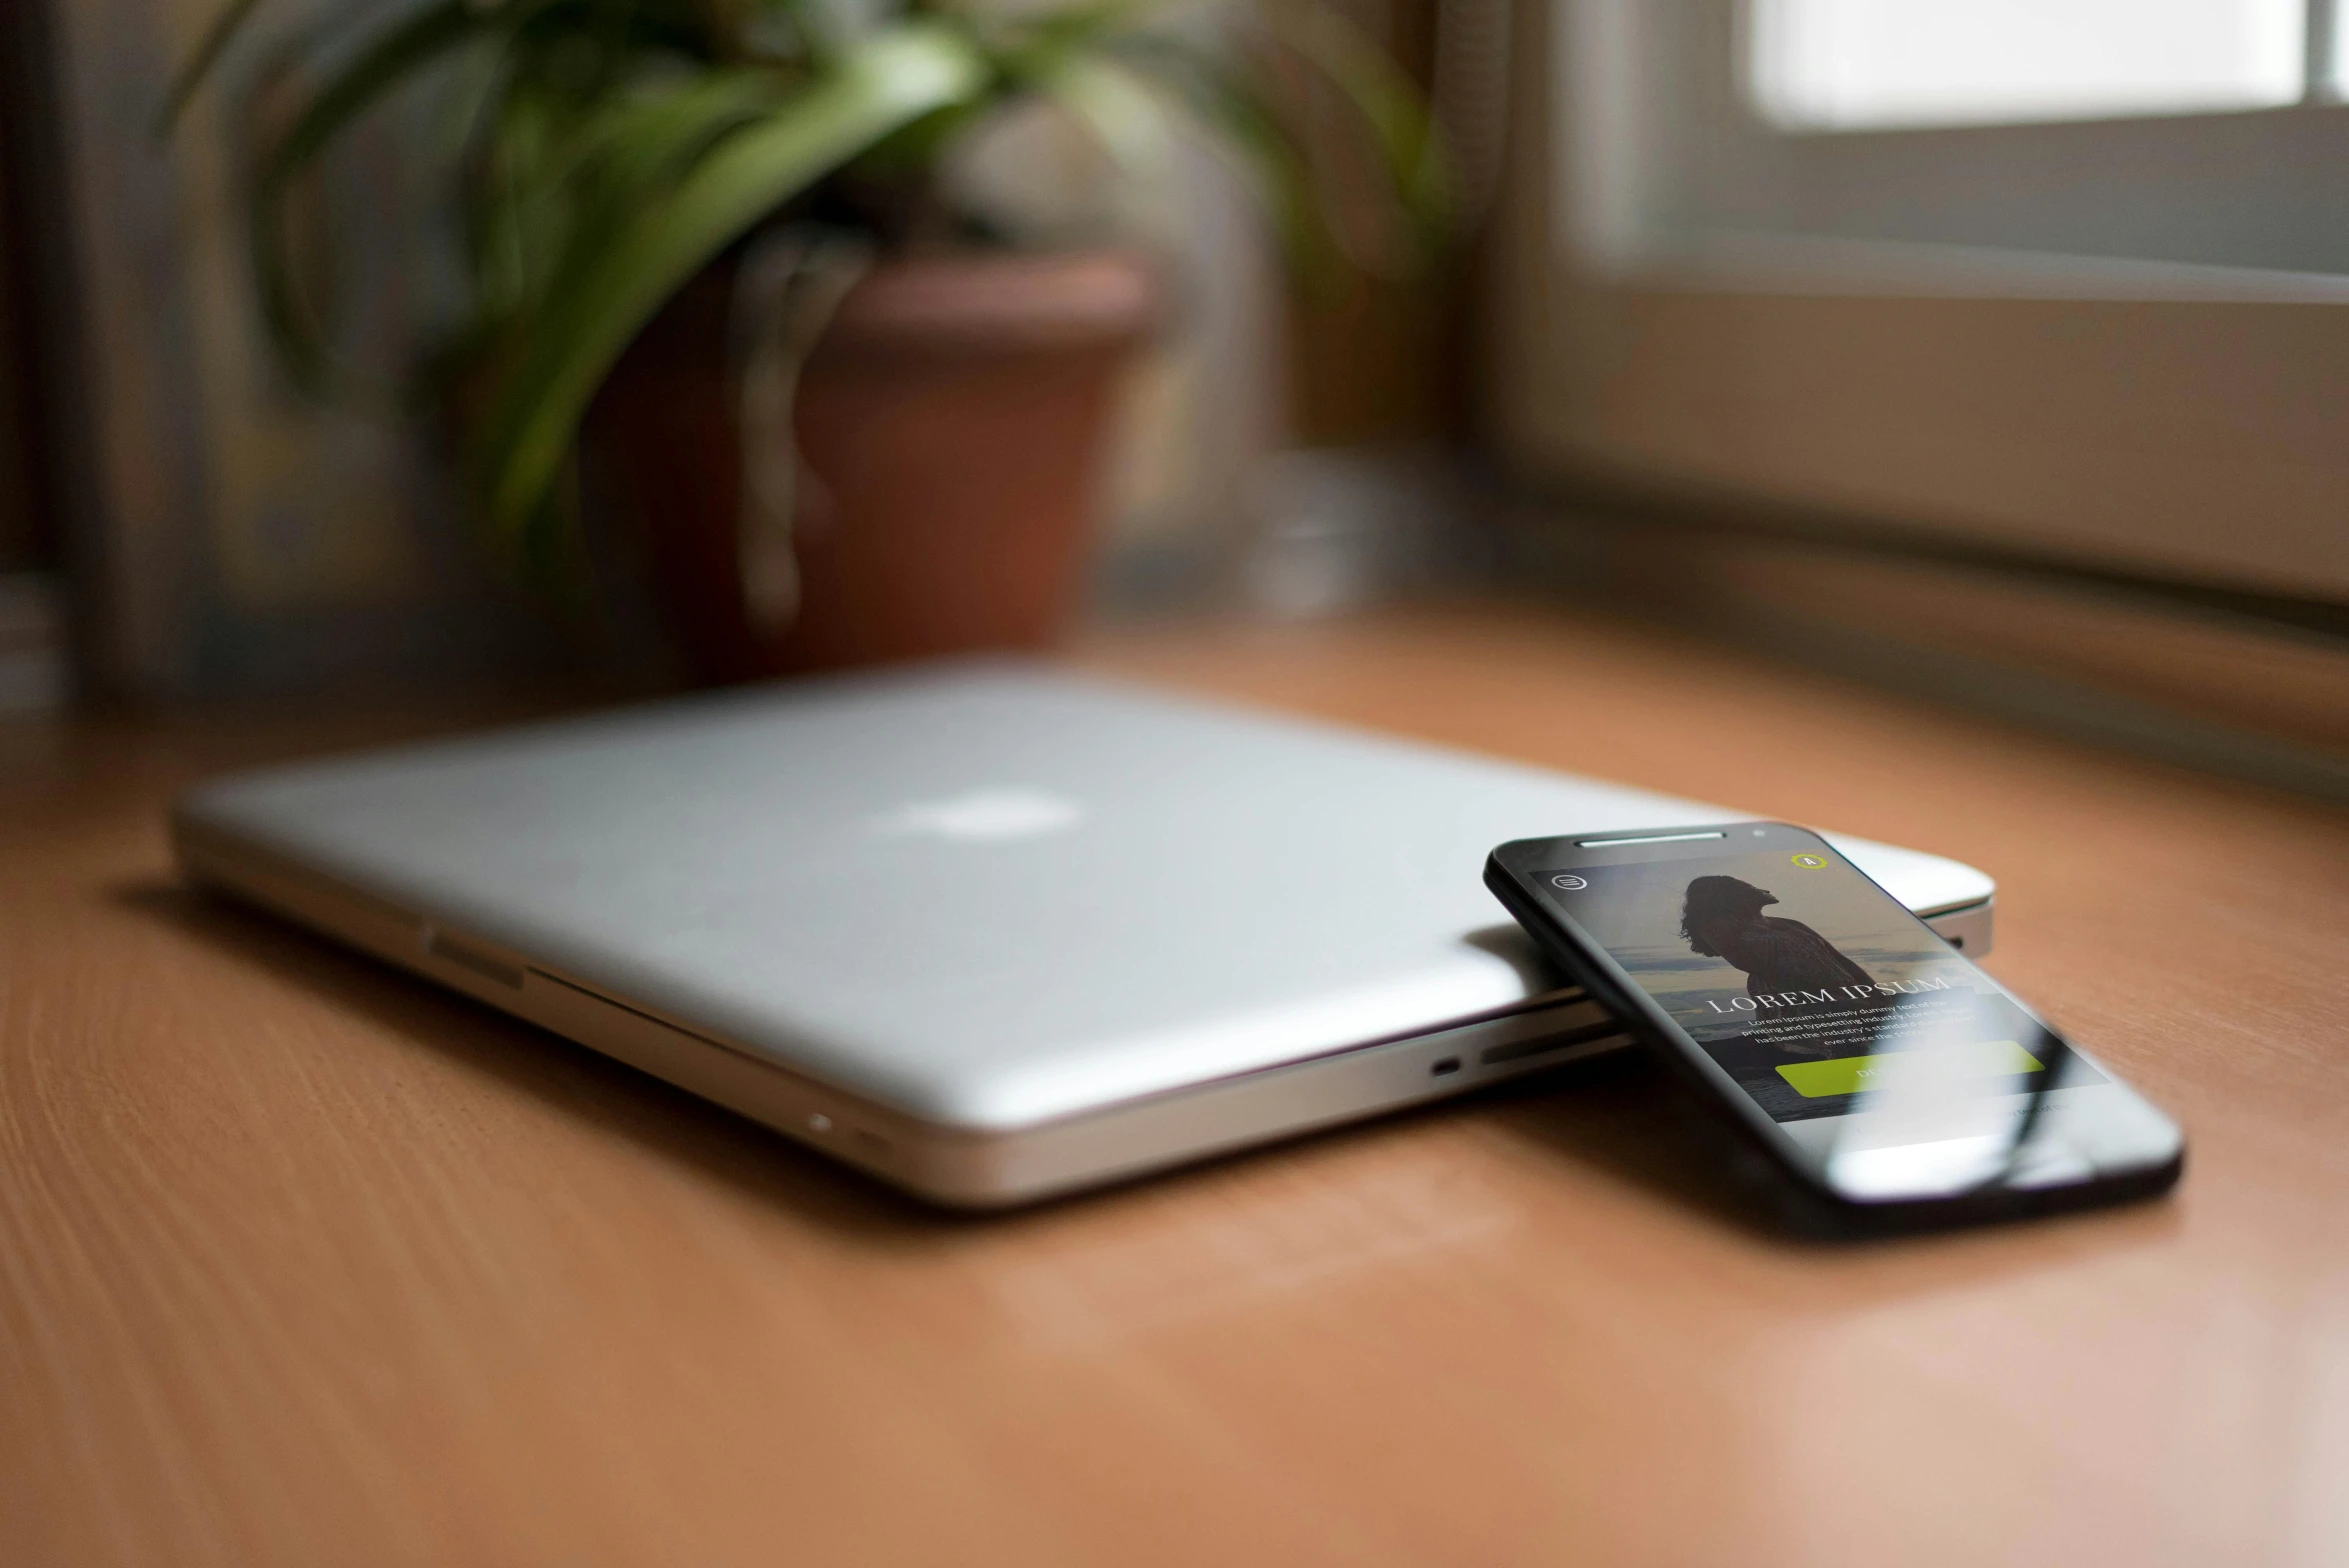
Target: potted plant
column 722, row 241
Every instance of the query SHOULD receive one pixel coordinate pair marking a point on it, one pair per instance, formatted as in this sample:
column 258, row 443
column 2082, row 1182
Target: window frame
column 2168, row 415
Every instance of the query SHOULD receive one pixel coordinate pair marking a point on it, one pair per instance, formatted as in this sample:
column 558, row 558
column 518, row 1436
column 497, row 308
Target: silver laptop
column 989, row 931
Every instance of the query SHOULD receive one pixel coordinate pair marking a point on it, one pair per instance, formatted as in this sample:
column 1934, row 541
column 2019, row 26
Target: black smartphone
column 1888, row 1082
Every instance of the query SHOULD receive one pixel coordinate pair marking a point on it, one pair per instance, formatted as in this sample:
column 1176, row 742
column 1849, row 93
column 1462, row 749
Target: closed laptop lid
column 988, row 894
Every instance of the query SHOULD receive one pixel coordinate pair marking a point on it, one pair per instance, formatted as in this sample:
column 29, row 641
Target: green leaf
column 384, row 65
column 1220, row 99
column 889, row 81
column 1388, row 102
column 1123, row 113
column 199, row 66
column 1038, row 44
column 632, row 156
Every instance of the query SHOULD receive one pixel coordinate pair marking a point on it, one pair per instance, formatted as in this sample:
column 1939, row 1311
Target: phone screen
column 1881, row 1054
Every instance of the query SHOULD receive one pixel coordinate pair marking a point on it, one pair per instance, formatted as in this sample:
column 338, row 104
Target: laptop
column 988, row 930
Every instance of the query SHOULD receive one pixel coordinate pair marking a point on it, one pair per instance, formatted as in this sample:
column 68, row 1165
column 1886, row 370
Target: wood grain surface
column 304, row 1262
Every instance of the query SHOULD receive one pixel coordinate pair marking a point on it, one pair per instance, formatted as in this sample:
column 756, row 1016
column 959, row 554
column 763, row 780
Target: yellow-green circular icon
column 1811, row 862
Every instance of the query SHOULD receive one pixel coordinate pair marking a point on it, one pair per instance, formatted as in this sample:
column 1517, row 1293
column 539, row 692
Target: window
column 1840, row 65
column 2065, row 277
column 1987, row 125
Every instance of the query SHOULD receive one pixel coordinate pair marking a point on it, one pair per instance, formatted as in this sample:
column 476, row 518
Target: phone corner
column 1499, row 857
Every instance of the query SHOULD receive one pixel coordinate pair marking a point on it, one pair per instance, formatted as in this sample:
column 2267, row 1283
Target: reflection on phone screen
column 1879, row 1050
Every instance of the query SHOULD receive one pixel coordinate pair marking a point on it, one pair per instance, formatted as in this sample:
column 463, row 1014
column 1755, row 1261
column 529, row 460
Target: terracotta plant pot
column 953, row 417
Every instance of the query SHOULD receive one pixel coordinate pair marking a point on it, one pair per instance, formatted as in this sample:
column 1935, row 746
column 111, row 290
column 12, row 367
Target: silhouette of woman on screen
column 1722, row 918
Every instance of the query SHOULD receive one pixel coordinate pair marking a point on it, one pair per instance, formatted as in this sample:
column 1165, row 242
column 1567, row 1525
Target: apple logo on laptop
column 985, row 816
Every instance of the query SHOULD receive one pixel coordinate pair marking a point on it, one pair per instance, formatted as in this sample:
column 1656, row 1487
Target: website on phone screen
column 1808, row 984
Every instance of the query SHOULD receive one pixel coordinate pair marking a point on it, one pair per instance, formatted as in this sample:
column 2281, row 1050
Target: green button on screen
column 1851, row 1074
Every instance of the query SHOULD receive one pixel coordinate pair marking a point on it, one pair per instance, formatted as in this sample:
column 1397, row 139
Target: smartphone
column 1886, row 1081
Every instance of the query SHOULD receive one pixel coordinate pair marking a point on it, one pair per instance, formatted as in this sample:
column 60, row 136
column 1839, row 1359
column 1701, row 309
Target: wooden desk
column 303, row 1262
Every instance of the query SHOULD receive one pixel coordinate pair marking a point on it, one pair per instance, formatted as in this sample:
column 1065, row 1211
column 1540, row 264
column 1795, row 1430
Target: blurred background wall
column 1999, row 351
column 223, row 533
column 229, row 534
column 33, row 659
